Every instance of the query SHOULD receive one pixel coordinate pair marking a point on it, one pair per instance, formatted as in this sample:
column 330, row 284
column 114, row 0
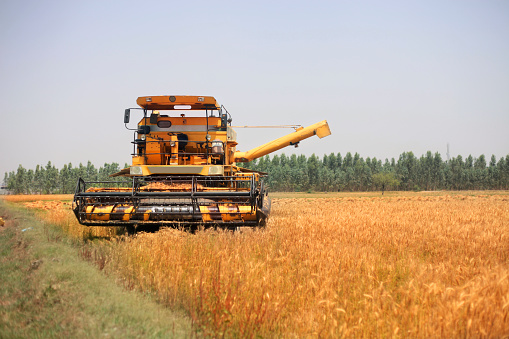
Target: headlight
column 216, row 170
column 136, row 170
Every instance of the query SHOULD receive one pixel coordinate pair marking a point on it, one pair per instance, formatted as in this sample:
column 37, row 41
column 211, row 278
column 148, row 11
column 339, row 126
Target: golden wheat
column 36, row 197
column 399, row 266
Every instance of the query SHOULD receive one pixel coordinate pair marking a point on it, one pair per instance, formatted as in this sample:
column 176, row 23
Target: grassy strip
column 47, row 291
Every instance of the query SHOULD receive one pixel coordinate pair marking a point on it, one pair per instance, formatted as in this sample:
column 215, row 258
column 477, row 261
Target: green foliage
column 385, row 180
column 331, row 173
column 353, row 173
column 50, row 180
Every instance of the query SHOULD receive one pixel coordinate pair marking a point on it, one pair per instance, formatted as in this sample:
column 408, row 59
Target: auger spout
column 320, row 129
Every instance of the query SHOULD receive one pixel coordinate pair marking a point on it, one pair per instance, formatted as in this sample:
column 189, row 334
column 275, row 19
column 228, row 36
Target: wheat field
column 398, row 266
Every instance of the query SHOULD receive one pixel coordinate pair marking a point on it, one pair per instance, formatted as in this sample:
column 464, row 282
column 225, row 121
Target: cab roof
column 167, row 102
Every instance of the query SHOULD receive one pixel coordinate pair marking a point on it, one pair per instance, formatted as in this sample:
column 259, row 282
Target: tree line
column 335, row 172
column 298, row 173
column 50, row 180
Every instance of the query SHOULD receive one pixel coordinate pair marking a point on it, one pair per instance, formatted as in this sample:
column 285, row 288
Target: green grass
column 47, row 291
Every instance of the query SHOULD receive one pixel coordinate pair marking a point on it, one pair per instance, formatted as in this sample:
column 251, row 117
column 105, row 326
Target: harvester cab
column 184, row 170
column 168, row 141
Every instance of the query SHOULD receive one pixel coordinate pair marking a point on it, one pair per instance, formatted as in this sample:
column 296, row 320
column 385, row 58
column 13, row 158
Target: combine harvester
column 184, row 171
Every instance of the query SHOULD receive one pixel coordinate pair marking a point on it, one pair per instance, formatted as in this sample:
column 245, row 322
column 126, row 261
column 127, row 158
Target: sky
column 388, row 76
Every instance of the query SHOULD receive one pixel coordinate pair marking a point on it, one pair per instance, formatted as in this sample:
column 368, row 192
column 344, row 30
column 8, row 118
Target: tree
column 339, row 161
column 457, row 175
column 39, row 179
column 325, row 161
column 469, row 172
column 426, row 170
column 361, row 173
column 407, row 168
column 50, row 178
column 326, row 183
column 480, row 173
column 29, row 181
column 502, row 168
column 11, row 178
column 375, row 165
column 387, row 166
column 65, row 178
column 331, row 162
column 385, row 180
column 20, row 180
column 347, row 161
column 349, row 179
column 437, row 174
column 91, row 172
column 313, row 164
column 493, row 172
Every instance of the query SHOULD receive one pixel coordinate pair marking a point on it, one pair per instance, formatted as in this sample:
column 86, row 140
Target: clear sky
column 389, row 76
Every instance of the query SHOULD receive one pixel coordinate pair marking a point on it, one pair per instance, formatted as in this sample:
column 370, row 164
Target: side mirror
column 127, row 114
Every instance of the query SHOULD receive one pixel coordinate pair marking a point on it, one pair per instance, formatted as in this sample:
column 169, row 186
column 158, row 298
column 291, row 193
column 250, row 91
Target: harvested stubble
column 354, row 267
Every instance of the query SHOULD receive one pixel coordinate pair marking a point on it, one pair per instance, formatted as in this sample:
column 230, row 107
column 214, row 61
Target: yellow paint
column 138, row 161
column 127, row 213
column 321, row 129
column 99, row 212
column 144, row 170
column 229, row 212
column 204, row 210
column 146, row 215
column 247, row 213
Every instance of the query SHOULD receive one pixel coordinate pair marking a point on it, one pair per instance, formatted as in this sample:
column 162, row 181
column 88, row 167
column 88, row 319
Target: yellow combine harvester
column 184, row 170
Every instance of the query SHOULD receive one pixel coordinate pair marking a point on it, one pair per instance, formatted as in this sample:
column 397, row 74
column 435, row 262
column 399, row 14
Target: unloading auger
column 184, row 170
